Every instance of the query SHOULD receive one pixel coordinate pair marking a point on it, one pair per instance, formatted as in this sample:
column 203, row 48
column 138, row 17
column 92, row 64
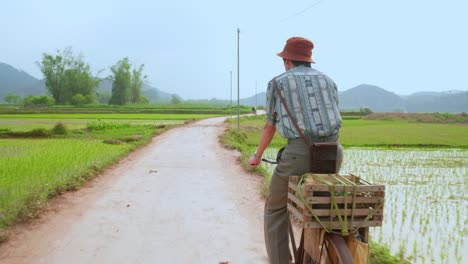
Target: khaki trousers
column 294, row 161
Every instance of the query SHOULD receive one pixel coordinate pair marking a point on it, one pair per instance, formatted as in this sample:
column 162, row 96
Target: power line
column 303, row 10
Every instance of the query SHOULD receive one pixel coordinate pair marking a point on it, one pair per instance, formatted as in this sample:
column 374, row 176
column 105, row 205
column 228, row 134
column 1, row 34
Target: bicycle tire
column 343, row 255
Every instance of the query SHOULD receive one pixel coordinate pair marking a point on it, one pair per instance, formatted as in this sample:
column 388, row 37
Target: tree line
column 69, row 80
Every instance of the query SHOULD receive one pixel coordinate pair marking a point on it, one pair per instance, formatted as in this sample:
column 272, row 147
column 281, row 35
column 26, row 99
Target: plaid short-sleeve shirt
column 312, row 99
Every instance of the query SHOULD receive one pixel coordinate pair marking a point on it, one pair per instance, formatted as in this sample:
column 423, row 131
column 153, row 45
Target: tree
column 53, row 68
column 78, row 79
column 78, row 99
column 126, row 83
column 13, row 98
column 137, row 84
column 144, row 100
column 40, row 100
column 121, row 81
column 175, row 99
column 103, row 97
column 67, row 76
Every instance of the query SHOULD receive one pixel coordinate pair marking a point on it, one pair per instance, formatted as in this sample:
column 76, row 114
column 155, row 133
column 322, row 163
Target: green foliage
column 78, row 80
column 126, row 83
column 38, row 101
column 103, row 97
column 35, row 133
column 59, row 129
column 136, row 84
column 121, row 82
column 380, row 254
column 67, row 76
column 361, row 112
column 175, row 99
column 78, row 99
column 13, row 98
column 103, row 125
column 143, row 100
column 235, row 139
column 53, row 68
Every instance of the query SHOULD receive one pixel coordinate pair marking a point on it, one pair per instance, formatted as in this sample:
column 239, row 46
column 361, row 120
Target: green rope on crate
column 306, row 204
column 334, row 205
column 381, row 203
column 347, row 183
column 354, row 203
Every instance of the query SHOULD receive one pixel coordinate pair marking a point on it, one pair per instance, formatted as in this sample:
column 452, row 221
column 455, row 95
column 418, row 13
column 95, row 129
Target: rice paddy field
column 425, row 169
column 25, row 122
column 426, row 200
column 32, row 170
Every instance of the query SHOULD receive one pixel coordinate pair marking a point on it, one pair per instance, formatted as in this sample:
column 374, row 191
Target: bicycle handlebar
column 269, row 161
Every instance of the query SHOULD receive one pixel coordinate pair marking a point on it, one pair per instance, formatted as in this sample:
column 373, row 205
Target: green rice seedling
column 59, row 129
column 415, row 248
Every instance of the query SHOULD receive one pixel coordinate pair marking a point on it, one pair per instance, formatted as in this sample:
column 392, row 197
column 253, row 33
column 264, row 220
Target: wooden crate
column 369, row 199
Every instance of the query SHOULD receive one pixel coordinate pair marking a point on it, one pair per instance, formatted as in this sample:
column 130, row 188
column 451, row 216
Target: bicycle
column 320, row 207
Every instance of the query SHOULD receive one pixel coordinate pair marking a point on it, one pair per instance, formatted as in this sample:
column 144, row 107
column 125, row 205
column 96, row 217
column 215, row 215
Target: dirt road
column 180, row 199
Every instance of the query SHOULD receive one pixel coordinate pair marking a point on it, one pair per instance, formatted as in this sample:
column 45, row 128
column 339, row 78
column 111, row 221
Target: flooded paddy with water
column 426, row 199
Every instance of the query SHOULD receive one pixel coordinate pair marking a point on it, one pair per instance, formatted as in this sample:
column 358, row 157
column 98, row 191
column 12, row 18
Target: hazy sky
column 189, row 47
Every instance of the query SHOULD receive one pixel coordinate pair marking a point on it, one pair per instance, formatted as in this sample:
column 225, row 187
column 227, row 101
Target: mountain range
column 362, row 96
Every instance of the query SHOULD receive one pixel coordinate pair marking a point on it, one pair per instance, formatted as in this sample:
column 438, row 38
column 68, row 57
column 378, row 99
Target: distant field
column 399, row 132
column 133, row 116
column 25, row 122
column 184, row 108
column 379, row 133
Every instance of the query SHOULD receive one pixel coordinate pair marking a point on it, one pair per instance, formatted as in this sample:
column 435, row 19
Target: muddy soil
column 181, row 199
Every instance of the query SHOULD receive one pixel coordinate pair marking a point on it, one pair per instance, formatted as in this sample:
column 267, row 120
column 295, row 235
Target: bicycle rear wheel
column 337, row 250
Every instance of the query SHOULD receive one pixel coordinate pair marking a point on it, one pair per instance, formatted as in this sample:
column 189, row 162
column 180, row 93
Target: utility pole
column 256, row 95
column 230, row 105
column 238, row 78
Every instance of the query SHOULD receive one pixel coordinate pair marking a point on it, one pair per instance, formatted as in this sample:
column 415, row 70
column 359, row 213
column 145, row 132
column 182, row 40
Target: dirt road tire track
column 180, row 199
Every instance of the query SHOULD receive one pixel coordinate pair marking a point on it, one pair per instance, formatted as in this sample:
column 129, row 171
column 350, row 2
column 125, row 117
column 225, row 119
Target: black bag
column 323, row 155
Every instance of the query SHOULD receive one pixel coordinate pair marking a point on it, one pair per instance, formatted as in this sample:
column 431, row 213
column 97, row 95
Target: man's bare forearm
column 265, row 140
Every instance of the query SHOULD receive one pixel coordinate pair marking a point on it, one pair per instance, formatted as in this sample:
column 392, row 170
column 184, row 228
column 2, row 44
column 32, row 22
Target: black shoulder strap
column 283, row 101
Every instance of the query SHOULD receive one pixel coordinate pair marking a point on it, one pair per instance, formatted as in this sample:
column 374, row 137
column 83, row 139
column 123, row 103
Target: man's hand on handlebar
column 254, row 160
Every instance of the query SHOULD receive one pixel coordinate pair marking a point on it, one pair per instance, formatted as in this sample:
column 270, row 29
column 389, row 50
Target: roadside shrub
column 380, row 254
column 113, row 141
column 234, row 139
column 132, row 138
column 35, row 133
column 78, row 99
column 59, row 129
column 38, row 101
column 143, row 100
column 96, row 125
column 38, row 132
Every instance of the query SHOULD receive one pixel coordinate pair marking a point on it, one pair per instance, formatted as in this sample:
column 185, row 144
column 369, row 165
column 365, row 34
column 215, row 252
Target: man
column 312, row 99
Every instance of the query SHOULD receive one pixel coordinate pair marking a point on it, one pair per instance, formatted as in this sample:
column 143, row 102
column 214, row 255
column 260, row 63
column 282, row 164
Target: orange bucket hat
column 298, row 49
